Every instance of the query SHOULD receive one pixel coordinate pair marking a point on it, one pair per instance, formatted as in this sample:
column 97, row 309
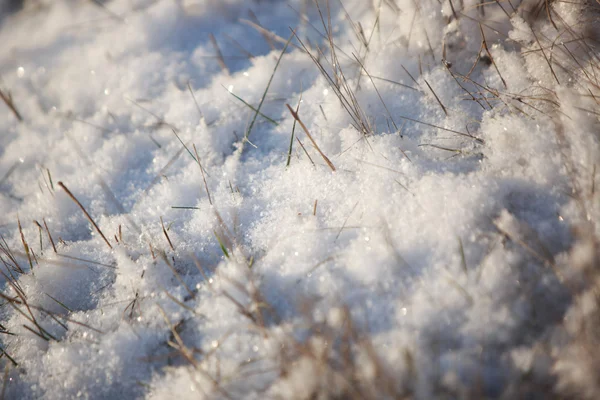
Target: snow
column 453, row 252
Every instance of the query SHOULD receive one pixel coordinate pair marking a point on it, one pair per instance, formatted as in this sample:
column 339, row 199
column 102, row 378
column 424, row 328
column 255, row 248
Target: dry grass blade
column 5, row 249
column 262, row 100
column 10, row 278
column 166, row 234
column 202, row 271
column 410, row 75
column 110, row 195
column 101, row 5
column 9, row 172
column 159, row 121
column 487, row 50
column 60, row 263
column 473, row 97
column 131, row 306
column 220, row 58
column 289, row 157
column 163, row 170
column 25, row 245
column 305, row 152
column 241, row 48
column 297, row 118
column 305, row 20
column 393, row 82
column 593, row 180
column 183, row 144
column 85, row 261
column 453, row 10
column 441, row 148
column 40, row 229
column 8, row 100
column 55, row 316
column 547, row 260
column 545, row 56
column 463, row 258
column 479, row 140
column 250, row 106
column 221, row 245
column 82, row 121
column 502, row 8
column 203, row 176
column 345, row 221
column 181, row 347
column 12, row 360
column 265, row 36
column 476, row 61
column 181, row 304
column 431, row 53
column 241, row 309
column 163, row 255
column 436, row 97
column 5, row 377
column 549, row 13
column 89, row 217
column 377, row 91
column 336, row 78
column 44, row 334
column 189, row 86
column 266, row 33
column 188, row 354
column 60, row 303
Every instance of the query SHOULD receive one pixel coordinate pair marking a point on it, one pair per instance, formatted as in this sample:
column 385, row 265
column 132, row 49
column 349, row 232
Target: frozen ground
column 435, row 237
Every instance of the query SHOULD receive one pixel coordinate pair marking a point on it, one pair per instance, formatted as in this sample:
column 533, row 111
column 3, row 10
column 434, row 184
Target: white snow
column 453, row 252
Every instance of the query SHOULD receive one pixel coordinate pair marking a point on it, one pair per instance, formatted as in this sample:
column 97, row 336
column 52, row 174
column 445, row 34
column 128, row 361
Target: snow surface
column 450, row 254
